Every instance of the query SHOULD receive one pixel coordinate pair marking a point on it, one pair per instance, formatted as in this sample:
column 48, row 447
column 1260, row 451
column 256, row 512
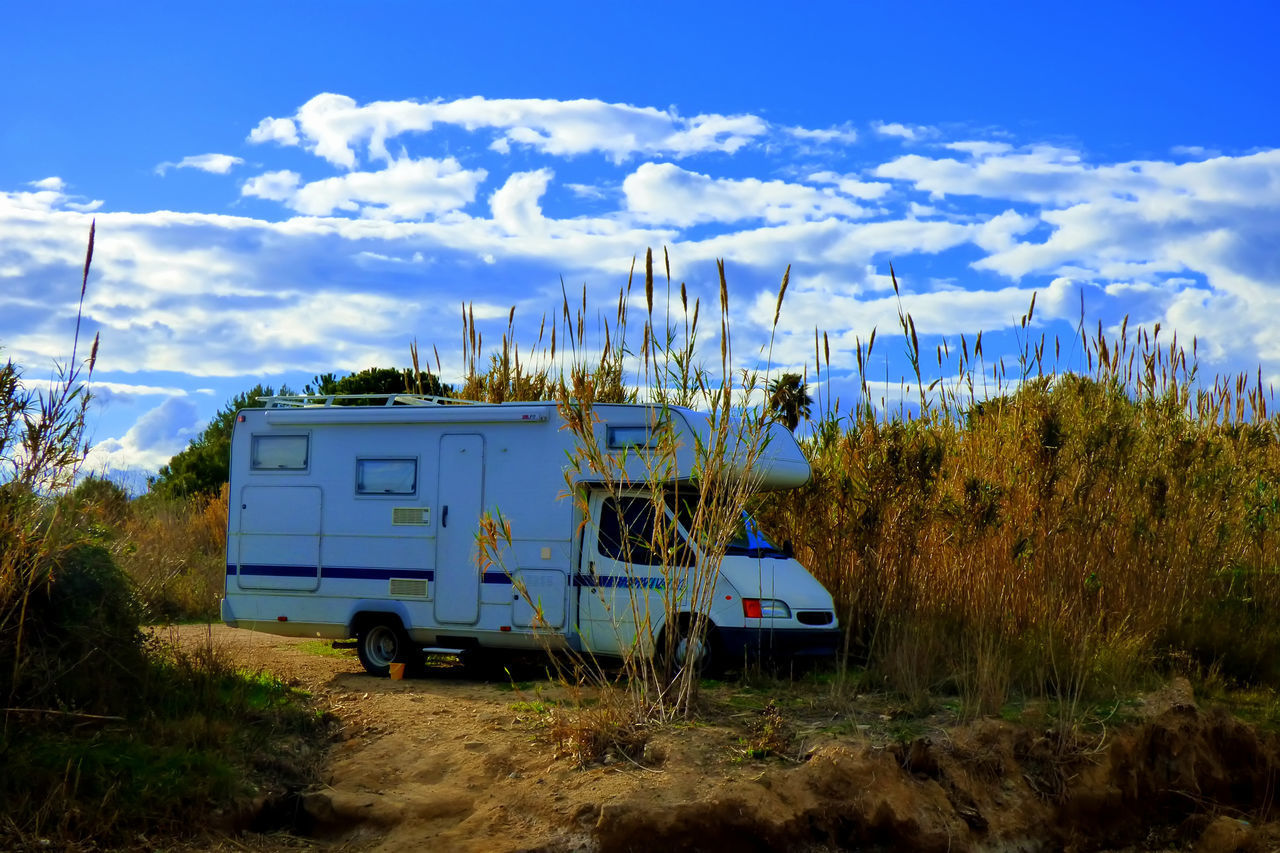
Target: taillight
column 765, row 608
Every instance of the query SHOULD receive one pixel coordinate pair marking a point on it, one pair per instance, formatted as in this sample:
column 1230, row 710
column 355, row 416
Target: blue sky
column 283, row 190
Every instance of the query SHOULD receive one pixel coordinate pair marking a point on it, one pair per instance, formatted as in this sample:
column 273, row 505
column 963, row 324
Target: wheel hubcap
column 690, row 652
column 381, row 646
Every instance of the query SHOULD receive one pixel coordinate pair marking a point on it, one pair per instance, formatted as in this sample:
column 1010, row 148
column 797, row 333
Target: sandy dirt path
column 446, row 761
column 449, row 762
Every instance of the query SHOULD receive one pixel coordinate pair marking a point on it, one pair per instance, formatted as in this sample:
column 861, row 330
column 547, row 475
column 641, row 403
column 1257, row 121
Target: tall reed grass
column 1065, row 535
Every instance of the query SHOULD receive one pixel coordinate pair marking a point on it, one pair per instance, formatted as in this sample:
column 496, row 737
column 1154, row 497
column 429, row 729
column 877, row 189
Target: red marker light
column 751, row 608
column 286, row 618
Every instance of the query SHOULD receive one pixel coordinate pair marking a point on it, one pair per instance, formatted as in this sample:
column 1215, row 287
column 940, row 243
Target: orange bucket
column 397, row 671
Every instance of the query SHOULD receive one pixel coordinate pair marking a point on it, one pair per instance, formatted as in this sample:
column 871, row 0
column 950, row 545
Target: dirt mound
column 1181, row 778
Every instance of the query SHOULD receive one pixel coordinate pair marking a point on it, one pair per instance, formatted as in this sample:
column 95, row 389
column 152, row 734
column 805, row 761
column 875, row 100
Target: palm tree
column 789, row 400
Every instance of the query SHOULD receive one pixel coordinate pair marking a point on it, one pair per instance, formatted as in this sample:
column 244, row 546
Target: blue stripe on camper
column 345, row 572
column 279, row 571
column 361, row 573
column 351, row 572
column 617, row 581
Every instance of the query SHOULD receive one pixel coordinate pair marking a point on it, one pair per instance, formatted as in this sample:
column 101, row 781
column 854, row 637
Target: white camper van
column 354, row 519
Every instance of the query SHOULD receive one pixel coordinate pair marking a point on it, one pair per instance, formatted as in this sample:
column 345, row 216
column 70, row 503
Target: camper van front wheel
column 379, row 644
column 702, row 655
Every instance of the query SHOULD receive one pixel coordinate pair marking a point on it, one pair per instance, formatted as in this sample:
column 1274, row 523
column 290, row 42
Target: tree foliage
column 379, row 380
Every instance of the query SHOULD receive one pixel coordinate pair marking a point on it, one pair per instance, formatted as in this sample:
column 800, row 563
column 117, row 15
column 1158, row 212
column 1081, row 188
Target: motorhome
column 355, row 517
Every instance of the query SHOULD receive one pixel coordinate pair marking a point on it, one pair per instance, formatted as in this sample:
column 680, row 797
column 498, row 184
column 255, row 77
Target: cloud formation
column 342, row 131
column 214, row 164
column 405, row 189
column 665, row 194
column 150, row 442
column 365, row 225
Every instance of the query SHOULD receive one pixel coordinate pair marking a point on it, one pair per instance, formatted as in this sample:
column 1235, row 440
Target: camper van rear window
column 621, row 437
column 386, row 476
column 279, row 452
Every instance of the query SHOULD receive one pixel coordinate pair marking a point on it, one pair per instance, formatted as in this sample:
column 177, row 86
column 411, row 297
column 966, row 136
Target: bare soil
column 448, row 761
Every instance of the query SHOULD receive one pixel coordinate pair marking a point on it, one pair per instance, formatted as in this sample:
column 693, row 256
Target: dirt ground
column 447, row 761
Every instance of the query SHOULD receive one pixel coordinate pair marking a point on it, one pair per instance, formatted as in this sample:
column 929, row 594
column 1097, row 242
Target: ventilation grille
column 419, row 515
column 815, row 617
column 408, row 587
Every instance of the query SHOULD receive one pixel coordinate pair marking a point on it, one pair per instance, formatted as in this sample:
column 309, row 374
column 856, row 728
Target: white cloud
column 665, row 193
column 980, row 148
column 902, row 131
column 280, row 130
column 335, row 127
column 1042, row 175
column 274, row 186
column 852, row 185
column 1199, row 152
column 585, row 190
column 406, row 189
column 49, row 196
column 515, row 204
column 151, row 441
column 844, row 134
column 105, row 393
column 948, row 312
column 216, row 164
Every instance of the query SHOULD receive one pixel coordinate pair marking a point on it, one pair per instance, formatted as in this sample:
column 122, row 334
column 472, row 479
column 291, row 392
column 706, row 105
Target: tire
column 704, row 656
column 382, row 643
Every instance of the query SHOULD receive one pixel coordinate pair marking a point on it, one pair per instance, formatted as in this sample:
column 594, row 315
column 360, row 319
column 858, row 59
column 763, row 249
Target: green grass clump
column 200, row 736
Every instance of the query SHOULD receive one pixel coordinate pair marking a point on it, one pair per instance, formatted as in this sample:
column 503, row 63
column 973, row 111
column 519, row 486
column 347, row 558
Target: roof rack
column 298, row 401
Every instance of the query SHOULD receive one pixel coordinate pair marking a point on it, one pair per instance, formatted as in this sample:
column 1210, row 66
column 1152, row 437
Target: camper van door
column 461, row 500
column 623, row 588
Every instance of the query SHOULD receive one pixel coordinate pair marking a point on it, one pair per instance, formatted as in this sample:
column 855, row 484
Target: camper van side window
column 386, row 476
column 279, row 453
column 626, row 531
column 621, row 437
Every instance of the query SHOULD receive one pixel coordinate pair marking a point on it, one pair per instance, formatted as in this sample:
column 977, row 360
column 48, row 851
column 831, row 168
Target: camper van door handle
column 444, row 517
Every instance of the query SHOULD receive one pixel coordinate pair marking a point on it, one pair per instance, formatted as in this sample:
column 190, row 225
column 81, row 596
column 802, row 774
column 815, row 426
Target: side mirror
column 788, row 548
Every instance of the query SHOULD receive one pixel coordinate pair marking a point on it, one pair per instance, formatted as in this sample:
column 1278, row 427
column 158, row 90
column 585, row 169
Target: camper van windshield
column 746, row 538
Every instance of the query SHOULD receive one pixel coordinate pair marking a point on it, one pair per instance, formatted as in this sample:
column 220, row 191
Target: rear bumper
column 753, row 643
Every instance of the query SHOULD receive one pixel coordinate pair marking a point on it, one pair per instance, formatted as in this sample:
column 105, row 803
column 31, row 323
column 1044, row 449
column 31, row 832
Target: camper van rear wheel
column 380, row 644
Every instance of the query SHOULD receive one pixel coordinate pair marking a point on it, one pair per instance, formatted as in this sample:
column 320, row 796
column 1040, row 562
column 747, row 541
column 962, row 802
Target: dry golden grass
column 174, row 550
column 1067, row 536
